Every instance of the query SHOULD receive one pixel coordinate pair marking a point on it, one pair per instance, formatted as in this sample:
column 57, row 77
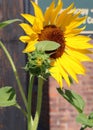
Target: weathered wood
column 11, row 118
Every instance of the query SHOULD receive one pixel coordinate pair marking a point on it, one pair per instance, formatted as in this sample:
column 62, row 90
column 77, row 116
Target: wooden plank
column 11, row 118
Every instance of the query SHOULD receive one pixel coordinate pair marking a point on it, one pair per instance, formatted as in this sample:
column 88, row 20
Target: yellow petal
column 66, row 65
column 61, row 18
column 27, row 28
column 37, row 26
column 56, row 11
column 30, row 47
column 27, row 39
column 69, row 18
column 38, row 11
column 62, row 71
column 34, row 37
column 85, row 51
column 78, row 55
column 74, row 64
column 76, row 23
column 24, row 39
column 29, row 18
column 56, row 75
column 47, row 14
column 78, row 42
column 76, row 71
column 73, row 32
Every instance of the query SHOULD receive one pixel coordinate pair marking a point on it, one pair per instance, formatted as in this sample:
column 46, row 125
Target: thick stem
column 39, row 103
column 30, row 119
column 15, row 73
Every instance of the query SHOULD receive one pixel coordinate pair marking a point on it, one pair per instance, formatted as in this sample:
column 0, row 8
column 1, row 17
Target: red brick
column 62, row 114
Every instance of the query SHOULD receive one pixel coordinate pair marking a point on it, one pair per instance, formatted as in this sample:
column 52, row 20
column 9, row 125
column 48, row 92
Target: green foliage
column 7, row 96
column 47, row 45
column 39, row 61
column 73, row 98
column 85, row 120
column 90, row 115
column 5, row 23
column 77, row 101
column 70, row 79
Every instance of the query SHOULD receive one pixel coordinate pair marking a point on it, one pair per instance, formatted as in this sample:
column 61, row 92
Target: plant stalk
column 15, row 73
column 39, row 103
column 30, row 88
column 19, row 107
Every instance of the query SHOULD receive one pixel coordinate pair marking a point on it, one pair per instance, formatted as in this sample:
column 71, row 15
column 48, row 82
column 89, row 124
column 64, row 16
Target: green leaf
column 90, row 115
column 71, row 80
column 73, row 98
column 83, row 119
column 5, row 23
column 7, row 96
column 47, row 45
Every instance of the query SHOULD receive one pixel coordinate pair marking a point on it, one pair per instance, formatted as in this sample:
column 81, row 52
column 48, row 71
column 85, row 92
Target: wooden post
column 11, row 118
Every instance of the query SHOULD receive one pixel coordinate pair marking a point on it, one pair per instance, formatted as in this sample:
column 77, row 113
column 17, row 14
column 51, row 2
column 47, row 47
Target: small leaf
column 47, row 45
column 83, row 119
column 73, row 98
column 7, row 96
column 90, row 115
column 5, row 23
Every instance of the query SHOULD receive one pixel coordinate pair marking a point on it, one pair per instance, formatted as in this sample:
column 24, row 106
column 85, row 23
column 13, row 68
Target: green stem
column 19, row 107
column 39, row 103
column 15, row 73
column 30, row 119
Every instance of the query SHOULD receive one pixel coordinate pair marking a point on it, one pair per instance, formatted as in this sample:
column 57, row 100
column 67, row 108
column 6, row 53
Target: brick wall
column 62, row 114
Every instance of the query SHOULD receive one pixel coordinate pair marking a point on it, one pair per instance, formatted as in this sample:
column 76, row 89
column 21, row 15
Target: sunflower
column 63, row 27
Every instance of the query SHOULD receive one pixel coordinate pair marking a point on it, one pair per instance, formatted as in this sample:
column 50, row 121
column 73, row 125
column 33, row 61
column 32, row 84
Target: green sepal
column 5, row 23
column 7, row 96
column 38, row 63
column 73, row 98
column 84, row 120
column 47, row 45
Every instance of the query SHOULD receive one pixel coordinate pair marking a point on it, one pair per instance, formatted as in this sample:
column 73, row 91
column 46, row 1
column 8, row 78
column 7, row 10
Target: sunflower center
column 53, row 33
